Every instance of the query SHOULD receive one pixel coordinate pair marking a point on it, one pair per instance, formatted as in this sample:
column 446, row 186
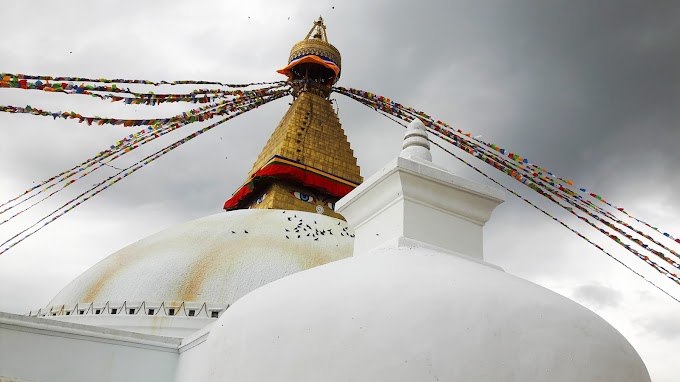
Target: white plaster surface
column 416, row 144
column 414, row 314
column 167, row 326
column 412, row 198
column 215, row 259
column 35, row 349
column 409, row 306
column 193, row 357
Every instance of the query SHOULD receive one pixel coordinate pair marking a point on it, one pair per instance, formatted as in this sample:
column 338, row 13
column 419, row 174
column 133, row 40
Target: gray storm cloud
column 586, row 89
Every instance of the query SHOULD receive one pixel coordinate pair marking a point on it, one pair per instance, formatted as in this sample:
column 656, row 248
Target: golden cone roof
column 310, row 133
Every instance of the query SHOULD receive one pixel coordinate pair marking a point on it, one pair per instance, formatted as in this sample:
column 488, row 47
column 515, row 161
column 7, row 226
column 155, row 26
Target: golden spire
column 307, row 164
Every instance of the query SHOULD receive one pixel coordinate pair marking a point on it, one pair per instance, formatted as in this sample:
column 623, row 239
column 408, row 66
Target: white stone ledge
column 87, row 333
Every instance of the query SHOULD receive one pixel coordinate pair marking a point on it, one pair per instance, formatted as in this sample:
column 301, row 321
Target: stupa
column 411, row 298
column 281, row 221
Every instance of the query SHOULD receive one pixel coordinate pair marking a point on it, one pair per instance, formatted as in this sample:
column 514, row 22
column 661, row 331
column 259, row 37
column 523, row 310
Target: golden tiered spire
column 307, row 164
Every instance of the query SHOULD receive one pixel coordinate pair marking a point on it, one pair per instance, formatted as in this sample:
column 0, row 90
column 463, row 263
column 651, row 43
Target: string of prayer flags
column 9, row 77
column 561, row 192
column 450, row 139
column 513, row 156
column 111, row 121
column 375, row 104
column 152, row 99
column 101, row 155
column 122, row 147
column 565, row 225
column 545, row 183
column 125, row 145
column 124, row 173
column 541, row 187
column 389, row 105
column 623, row 211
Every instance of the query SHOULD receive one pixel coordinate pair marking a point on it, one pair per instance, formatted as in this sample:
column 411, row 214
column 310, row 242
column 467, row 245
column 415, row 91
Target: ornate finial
column 318, row 30
column 416, row 143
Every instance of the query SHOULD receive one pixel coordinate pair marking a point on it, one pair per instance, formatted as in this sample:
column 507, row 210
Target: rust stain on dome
column 125, row 258
column 212, row 259
column 261, row 250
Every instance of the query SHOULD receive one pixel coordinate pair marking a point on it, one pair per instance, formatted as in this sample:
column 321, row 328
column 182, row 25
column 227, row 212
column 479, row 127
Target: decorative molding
column 201, row 309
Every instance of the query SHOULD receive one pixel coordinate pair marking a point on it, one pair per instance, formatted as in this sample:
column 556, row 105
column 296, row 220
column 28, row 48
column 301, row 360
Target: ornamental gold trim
column 317, row 47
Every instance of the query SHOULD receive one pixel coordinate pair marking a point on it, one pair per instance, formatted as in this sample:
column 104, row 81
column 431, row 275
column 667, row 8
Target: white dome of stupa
column 202, row 265
column 415, row 306
column 414, row 314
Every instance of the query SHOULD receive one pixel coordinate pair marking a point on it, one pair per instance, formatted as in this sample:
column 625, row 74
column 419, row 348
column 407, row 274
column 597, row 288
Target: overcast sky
column 589, row 90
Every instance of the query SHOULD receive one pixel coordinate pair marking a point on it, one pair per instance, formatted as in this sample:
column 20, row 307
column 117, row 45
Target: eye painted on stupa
column 302, row 196
column 331, row 205
column 260, row 199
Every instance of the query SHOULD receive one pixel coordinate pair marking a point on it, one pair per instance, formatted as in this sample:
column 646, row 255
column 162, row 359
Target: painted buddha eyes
column 303, row 197
column 260, row 199
column 310, row 199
